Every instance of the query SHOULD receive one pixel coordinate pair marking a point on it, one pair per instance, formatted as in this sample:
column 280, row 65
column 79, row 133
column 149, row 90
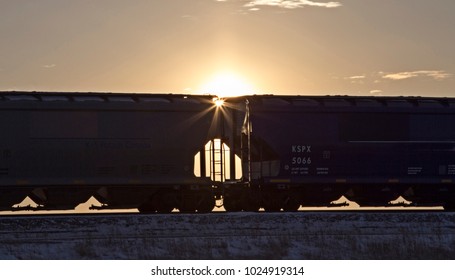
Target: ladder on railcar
column 217, row 160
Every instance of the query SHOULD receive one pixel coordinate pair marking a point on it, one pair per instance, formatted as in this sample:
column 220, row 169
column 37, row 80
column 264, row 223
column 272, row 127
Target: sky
column 344, row 47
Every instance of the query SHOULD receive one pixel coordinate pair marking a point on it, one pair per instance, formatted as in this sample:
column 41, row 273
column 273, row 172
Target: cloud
column 255, row 5
column 435, row 74
column 356, row 77
column 48, row 66
column 290, row 4
column 190, row 17
column 376, row 91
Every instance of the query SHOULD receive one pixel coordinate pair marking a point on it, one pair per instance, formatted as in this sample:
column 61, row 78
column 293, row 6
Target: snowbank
column 302, row 235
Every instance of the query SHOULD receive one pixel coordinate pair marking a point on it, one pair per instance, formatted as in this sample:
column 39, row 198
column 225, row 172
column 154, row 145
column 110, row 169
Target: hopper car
column 159, row 152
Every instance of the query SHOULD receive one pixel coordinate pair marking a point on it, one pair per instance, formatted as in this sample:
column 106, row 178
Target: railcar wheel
column 206, row 204
column 376, row 195
column 161, row 202
column 187, row 207
column 147, row 207
column 290, row 204
column 250, row 203
column 272, row 201
column 271, row 204
column 232, row 204
column 164, row 208
column 272, row 208
column 449, row 206
column 188, row 202
column 165, row 201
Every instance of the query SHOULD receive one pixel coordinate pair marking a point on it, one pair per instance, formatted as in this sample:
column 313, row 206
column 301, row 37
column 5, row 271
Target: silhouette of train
column 157, row 152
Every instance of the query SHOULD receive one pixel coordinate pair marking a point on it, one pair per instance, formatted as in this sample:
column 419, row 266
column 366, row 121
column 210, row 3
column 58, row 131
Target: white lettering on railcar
column 301, row 148
column 299, row 171
column 326, row 154
column 301, row 160
column 450, row 169
column 322, row 171
column 414, row 170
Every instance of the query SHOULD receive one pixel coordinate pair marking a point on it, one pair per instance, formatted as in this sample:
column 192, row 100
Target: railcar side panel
column 371, row 151
column 358, row 146
column 48, row 147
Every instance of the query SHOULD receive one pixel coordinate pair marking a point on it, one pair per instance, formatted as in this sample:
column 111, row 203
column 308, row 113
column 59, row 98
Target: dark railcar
column 127, row 150
column 312, row 150
column 158, row 152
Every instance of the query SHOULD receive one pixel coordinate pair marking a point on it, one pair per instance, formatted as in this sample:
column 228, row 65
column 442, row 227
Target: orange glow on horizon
column 227, row 84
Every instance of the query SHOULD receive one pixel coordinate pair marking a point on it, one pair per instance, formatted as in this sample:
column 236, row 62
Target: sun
column 227, row 85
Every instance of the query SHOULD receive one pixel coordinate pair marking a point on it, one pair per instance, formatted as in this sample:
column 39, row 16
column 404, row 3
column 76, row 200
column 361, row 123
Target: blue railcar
column 311, row 150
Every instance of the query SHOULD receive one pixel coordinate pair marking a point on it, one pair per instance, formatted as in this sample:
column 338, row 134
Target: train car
column 303, row 150
column 159, row 152
column 126, row 150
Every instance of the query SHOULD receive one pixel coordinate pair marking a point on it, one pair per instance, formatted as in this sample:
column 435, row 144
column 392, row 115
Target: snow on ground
column 300, row 235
